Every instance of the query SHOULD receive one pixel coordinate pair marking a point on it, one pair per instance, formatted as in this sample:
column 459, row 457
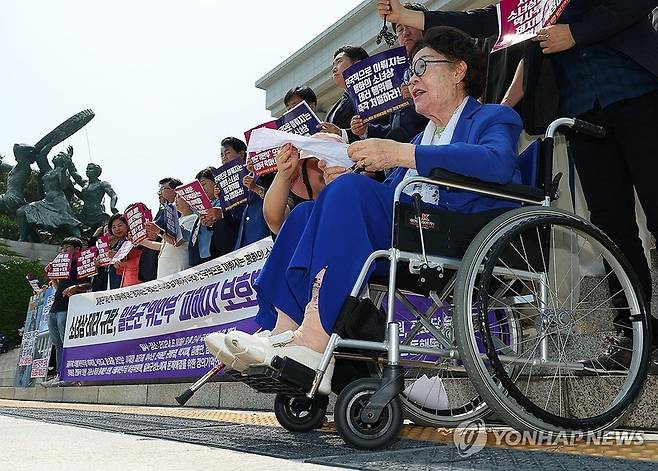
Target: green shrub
column 15, row 294
column 8, row 227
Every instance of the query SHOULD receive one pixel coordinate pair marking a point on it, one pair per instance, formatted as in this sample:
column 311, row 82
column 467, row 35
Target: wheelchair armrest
column 510, row 191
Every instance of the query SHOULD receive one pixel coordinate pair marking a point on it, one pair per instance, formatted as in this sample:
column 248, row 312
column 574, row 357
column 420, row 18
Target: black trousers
column 609, row 170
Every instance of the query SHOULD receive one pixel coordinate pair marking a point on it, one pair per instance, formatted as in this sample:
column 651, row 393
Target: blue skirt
column 351, row 218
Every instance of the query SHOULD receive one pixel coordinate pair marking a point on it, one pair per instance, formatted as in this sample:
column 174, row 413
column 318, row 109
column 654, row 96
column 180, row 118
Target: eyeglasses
column 420, row 66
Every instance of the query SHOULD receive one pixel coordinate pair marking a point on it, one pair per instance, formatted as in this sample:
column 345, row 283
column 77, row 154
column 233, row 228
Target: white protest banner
column 123, row 251
column 156, row 330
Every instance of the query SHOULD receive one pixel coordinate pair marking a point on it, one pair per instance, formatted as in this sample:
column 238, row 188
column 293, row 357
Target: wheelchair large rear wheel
column 438, row 391
column 572, row 293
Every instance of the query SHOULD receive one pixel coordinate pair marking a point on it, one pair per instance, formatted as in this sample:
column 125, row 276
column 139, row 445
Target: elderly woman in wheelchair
column 513, row 324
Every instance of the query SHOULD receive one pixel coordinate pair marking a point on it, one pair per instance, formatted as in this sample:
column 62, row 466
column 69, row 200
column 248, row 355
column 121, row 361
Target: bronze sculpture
column 53, row 213
column 92, row 194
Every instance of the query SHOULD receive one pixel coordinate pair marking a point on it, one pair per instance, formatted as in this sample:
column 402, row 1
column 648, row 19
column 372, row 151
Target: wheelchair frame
column 391, row 344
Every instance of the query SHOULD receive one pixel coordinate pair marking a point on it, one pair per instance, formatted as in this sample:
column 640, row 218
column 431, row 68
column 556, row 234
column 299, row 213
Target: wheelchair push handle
column 588, row 128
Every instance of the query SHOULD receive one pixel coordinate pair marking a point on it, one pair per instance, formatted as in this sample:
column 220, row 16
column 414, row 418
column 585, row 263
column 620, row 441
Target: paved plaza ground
column 49, row 436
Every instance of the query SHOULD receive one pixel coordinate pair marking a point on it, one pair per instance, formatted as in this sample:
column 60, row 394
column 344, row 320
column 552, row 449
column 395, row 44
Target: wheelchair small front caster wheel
column 353, row 430
column 300, row 414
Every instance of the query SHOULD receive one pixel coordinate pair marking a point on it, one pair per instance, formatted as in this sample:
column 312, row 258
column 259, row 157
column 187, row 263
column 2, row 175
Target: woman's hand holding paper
column 373, row 155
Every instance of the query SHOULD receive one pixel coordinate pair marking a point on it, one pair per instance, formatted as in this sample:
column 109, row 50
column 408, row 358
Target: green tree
column 16, row 293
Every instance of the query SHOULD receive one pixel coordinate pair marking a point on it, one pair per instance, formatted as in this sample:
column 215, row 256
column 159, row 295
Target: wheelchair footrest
column 285, row 376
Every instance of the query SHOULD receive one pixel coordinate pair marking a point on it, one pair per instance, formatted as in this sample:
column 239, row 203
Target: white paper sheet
column 426, row 392
column 333, row 153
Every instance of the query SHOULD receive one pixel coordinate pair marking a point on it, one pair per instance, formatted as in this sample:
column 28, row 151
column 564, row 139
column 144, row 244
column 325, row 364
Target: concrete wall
column 8, row 365
column 42, row 252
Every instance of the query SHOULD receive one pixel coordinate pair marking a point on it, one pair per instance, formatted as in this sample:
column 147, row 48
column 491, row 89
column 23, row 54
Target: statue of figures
column 53, row 213
column 18, row 176
column 93, row 211
column 26, row 155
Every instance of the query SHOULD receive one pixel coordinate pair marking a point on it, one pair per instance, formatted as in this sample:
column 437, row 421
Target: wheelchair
column 507, row 312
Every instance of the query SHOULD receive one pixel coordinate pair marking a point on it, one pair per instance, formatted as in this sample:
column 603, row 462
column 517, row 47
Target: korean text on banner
column 229, row 179
column 137, row 215
column 60, row 267
column 156, row 330
column 86, row 265
column 520, row 20
column 103, row 246
column 195, row 197
column 171, row 223
column 374, row 84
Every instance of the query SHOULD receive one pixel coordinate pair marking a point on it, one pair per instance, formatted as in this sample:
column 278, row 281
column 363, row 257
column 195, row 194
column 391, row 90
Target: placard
column 60, row 267
column 137, row 215
column 264, row 161
column 86, row 263
column 171, row 223
column 123, row 251
column 229, row 179
column 520, row 20
column 373, row 84
column 103, row 247
column 195, row 197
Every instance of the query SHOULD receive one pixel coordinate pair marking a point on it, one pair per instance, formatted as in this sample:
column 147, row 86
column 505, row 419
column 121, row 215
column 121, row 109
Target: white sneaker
column 215, row 343
column 257, row 352
column 252, row 350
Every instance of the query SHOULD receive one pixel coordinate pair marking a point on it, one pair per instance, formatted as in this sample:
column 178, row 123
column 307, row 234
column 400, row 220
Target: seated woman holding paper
column 323, row 245
column 299, row 178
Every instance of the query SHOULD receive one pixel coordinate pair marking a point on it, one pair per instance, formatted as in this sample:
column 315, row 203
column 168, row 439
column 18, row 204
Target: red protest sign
column 264, row 162
column 103, row 247
column 60, row 267
column 86, row 266
column 520, row 20
column 137, row 215
column 195, row 196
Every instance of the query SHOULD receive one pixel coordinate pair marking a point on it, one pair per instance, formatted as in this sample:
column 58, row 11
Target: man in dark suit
column 405, row 121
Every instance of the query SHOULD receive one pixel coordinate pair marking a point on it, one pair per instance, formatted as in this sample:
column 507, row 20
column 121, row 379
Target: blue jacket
column 484, row 146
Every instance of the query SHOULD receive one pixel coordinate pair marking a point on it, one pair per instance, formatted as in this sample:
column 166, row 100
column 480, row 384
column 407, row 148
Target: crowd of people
column 599, row 62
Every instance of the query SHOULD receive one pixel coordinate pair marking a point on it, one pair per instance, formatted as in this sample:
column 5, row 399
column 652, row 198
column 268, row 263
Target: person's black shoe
column 616, row 359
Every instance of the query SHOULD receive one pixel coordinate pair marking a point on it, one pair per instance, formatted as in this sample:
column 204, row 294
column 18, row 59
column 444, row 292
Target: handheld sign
column 195, row 197
column 300, row 120
column 60, row 267
column 373, row 84
column 34, row 283
column 171, row 222
column 520, row 20
column 264, row 161
column 229, row 178
column 103, row 247
column 86, row 265
column 123, row 251
column 137, row 215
